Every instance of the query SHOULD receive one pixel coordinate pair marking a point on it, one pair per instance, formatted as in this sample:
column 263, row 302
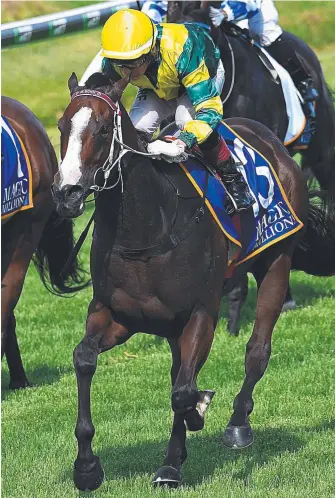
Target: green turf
column 293, row 453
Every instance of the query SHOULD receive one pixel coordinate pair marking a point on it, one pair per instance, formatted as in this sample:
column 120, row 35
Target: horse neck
column 139, row 215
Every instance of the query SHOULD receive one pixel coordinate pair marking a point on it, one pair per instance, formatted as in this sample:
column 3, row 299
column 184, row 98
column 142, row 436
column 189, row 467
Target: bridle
column 172, row 239
column 110, row 163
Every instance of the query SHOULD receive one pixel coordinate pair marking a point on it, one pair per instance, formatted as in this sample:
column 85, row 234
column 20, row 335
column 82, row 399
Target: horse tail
column 315, row 254
column 53, row 251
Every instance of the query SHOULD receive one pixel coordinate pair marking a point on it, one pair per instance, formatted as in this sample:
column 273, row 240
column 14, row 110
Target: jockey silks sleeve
column 197, row 68
column 185, row 60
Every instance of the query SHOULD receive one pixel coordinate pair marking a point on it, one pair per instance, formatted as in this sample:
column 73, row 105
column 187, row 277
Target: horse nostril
column 74, row 192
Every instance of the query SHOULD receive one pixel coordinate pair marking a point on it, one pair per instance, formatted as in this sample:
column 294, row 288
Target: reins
column 168, row 241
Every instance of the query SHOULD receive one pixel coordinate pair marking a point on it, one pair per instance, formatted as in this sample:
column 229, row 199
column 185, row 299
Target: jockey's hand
column 172, row 152
column 217, row 16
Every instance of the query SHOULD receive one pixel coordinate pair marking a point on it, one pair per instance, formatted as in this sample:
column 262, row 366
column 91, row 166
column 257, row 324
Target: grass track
column 293, row 419
column 293, row 453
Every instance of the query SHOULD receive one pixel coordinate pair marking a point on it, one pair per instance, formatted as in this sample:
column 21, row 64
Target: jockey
column 156, row 10
column 262, row 18
column 177, row 69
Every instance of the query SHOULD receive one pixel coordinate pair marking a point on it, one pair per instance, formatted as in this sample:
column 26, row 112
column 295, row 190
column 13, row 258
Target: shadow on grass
column 206, row 454
column 40, row 376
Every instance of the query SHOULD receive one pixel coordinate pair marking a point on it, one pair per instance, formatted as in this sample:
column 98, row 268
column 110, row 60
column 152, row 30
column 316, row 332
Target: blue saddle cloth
column 16, row 176
column 272, row 217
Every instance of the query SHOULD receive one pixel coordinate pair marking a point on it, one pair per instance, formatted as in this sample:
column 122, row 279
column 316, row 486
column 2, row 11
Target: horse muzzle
column 69, row 200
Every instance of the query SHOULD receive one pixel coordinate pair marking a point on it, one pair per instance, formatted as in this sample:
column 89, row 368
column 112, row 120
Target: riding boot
column 220, row 158
column 282, row 50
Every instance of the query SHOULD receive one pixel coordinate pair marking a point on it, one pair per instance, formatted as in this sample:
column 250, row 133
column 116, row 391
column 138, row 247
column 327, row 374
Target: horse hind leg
column 189, row 353
column 18, row 379
column 236, row 299
column 272, row 281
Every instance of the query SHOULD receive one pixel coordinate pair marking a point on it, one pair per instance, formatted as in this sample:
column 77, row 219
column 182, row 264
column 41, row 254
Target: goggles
column 130, row 64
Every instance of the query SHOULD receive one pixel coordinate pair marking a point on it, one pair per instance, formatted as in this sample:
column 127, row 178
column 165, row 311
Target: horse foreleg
column 272, row 287
column 189, row 405
column 101, row 334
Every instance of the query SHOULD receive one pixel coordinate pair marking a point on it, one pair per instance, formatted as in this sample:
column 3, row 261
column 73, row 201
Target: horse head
column 88, row 146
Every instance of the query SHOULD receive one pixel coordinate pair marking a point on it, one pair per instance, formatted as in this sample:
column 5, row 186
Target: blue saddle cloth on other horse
column 272, row 217
column 16, row 175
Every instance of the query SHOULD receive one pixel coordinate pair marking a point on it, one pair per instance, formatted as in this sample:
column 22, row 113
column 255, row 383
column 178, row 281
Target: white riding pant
column 264, row 26
column 149, row 110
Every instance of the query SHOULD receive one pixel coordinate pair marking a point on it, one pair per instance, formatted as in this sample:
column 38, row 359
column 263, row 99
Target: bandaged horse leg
column 189, row 353
column 196, row 417
column 272, row 279
column 102, row 333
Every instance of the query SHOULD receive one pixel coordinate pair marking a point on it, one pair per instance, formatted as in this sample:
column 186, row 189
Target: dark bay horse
column 158, row 266
column 39, row 230
column 255, row 95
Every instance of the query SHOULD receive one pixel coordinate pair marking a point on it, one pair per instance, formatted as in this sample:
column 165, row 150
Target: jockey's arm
column 234, row 10
column 205, row 100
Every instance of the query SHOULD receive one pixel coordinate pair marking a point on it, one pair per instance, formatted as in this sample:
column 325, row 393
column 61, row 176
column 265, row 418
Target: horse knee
column 85, row 358
column 184, row 399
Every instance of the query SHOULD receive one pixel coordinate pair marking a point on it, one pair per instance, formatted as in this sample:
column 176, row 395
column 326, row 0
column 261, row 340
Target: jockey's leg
column 265, row 29
column 283, row 51
column 216, row 152
column 148, row 111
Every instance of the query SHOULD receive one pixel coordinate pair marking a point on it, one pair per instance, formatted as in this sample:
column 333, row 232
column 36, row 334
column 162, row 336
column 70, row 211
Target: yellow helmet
column 128, row 34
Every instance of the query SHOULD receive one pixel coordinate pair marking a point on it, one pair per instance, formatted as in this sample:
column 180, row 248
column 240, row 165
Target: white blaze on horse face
column 70, row 168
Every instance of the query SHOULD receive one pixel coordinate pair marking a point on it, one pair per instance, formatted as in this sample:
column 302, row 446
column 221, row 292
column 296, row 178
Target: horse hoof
column 167, row 476
column 88, row 476
column 238, row 437
column 289, row 305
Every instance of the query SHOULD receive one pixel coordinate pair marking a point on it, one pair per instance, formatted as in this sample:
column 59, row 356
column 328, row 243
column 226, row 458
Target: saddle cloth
column 16, row 174
column 272, row 218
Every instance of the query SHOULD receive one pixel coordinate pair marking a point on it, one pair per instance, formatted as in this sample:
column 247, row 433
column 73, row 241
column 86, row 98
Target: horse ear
column 72, row 83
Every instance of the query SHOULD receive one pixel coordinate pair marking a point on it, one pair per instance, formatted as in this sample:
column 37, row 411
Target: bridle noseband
column 108, row 165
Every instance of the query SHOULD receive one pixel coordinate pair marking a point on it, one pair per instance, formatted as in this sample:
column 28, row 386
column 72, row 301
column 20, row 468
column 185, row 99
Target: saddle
column 302, row 126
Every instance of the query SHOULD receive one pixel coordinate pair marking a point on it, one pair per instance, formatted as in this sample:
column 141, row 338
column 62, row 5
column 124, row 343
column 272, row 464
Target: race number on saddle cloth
column 271, row 218
column 16, row 175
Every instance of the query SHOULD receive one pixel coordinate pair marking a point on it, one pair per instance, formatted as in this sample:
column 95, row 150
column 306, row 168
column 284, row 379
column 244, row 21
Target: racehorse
column 255, row 95
column 158, row 264
column 38, row 230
